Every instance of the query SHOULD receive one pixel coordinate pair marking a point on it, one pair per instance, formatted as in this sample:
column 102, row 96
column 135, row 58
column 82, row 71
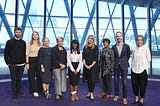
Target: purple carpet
column 152, row 96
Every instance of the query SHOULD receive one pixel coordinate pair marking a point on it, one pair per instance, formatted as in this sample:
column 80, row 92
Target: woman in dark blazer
column 58, row 64
column 90, row 60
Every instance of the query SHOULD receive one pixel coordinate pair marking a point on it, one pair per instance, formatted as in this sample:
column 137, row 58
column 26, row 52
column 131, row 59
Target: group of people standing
column 42, row 62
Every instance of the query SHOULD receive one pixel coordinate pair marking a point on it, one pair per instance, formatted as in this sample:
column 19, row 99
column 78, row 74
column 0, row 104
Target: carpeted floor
column 152, row 96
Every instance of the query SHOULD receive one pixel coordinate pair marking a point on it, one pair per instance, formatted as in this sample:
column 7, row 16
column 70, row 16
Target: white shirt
column 140, row 59
column 74, row 57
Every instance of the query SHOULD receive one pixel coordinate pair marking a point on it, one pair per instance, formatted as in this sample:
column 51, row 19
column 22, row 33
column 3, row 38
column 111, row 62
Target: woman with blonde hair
column 90, row 61
column 32, row 49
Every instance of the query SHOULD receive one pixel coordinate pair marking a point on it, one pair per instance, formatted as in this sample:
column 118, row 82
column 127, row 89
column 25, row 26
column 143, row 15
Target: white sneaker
column 35, row 94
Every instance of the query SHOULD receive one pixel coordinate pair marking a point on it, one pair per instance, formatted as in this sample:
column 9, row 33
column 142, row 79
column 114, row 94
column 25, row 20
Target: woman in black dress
column 74, row 58
column 90, row 61
column 44, row 57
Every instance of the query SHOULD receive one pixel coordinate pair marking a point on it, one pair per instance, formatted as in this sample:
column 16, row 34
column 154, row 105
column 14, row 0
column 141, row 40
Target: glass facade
column 81, row 16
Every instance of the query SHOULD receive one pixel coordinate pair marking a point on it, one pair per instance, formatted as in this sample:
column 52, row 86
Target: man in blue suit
column 122, row 55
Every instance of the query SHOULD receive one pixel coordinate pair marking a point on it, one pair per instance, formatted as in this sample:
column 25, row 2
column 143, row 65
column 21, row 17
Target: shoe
column 72, row 97
column 35, row 94
column 92, row 98
column 106, row 98
column 21, row 94
column 124, row 101
column 116, row 98
column 102, row 95
column 140, row 104
column 14, row 97
column 88, row 96
column 76, row 97
column 134, row 101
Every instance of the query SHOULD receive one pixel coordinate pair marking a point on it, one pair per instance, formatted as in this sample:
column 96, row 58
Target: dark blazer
column 123, row 59
column 57, row 57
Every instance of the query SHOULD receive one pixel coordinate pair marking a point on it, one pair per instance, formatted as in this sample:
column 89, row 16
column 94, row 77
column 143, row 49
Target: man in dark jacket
column 14, row 55
column 122, row 55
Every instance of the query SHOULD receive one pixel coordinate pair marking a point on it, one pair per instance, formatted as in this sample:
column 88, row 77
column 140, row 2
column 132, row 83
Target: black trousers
column 139, row 83
column 91, row 87
column 16, row 73
column 35, row 84
column 106, row 83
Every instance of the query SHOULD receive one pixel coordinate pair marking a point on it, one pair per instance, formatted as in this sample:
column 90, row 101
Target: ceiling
column 139, row 3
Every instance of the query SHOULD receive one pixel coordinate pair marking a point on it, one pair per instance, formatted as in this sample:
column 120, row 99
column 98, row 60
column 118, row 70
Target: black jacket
column 57, row 57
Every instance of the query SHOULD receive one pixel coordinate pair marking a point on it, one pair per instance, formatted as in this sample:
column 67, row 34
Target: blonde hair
column 87, row 44
column 38, row 40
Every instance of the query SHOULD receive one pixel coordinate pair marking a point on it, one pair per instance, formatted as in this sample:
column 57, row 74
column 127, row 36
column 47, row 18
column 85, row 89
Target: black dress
column 90, row 55
column 44, row 57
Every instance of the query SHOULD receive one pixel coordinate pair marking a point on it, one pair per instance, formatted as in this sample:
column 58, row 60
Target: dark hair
column 59, row 38
column 71, row 46
column 15, row 29
column 106, row 40
column 140, row 36
column 119, row 32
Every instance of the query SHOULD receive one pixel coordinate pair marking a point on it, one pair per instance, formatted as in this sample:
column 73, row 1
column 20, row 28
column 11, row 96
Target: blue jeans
column 123, row 74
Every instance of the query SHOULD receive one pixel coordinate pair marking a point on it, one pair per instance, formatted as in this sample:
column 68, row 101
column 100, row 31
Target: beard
column 17, row 36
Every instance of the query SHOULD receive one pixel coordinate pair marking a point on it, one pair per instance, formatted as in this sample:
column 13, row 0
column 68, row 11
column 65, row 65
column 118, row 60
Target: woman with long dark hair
column 74, row 59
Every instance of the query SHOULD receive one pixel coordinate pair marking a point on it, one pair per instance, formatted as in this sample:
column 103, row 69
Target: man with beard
column 14, row 55
column 122, row 55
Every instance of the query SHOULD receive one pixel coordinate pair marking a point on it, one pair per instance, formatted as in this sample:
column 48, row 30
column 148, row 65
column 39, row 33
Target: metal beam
column 44, row 21
column 6, row 24
column 88, row 25
column 133, row 22
column 4, row 11
column 154, row 19
column 16, row 13
column 69, row 14
column 27, row 8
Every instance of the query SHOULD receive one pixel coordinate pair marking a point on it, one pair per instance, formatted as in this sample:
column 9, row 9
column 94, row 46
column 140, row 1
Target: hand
column 87, row 67
column 42, row 70
column 75, row 72
column 27, row 66
column 62, row 66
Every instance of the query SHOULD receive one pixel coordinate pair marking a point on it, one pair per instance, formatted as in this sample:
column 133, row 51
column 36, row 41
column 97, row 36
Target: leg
column 19, row 78
column 124, row 83
column 31, row 75
column 57, row 81
column 135, row 86
column 38, row 77
column 108, row 84
column 13, row 74
column 143, row 85
column 116, row 82
column 63, row 80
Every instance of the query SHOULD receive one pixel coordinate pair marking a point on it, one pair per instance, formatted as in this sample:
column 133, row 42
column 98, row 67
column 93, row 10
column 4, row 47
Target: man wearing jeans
column 122, row 55
column 14, row 55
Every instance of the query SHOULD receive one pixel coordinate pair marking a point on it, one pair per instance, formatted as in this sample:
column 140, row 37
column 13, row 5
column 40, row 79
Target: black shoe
column 140, row 104
column 134, row 101
column 14, row 97
column 21, row 94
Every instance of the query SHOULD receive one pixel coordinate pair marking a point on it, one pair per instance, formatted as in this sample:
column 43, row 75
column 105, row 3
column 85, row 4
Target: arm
column 69, row 61
column 112, row 59
column 80, row 63
column 148, row 55
column 95, row 57
column 7, row 54
column 27, row 56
